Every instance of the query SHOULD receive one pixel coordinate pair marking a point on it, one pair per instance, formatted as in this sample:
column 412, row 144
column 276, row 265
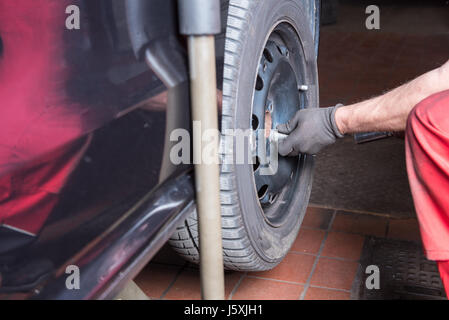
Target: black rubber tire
column 249, row 242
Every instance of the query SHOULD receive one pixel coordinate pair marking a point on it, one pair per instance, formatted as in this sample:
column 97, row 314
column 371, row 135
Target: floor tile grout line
column 170, row 285
column 363, row 234
column 237, row 285
column 340, row 259
column 315, row 263
column 327, row 257
column 276, row 280
column 345, row 231
column 304, row 253
column 284, row 281
column 366, row 213
column 329, row 288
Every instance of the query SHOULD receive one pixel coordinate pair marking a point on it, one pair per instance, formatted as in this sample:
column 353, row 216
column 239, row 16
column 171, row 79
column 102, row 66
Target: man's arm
column 312, row 129
column 389, row 112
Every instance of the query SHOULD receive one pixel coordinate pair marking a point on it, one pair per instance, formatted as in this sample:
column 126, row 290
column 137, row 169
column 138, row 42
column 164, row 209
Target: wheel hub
column 276, row 100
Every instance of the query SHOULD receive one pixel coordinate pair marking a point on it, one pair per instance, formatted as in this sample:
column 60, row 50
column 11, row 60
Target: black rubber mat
column 405, row 273
column 369, row 177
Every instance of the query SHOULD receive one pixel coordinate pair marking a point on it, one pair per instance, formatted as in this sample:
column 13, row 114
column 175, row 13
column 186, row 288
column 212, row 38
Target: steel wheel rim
column 278, row 94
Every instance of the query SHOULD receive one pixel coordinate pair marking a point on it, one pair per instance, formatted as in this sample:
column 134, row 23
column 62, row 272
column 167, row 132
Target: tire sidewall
column 272, row 243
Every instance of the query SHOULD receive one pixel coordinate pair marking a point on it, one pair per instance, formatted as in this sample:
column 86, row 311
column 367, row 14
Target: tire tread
column 238, row 253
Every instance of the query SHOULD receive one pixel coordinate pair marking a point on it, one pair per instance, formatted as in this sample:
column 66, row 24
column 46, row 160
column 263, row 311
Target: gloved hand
column 310, row 130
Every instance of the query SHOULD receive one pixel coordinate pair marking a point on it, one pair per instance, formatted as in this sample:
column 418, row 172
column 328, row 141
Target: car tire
column 251, row 240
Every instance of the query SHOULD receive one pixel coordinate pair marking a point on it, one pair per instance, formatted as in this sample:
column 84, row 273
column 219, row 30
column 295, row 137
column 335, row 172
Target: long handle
column 204, row 107
column 200, row 20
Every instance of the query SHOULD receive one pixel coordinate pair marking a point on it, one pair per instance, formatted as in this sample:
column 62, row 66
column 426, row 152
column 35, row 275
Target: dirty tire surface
column 249, row 244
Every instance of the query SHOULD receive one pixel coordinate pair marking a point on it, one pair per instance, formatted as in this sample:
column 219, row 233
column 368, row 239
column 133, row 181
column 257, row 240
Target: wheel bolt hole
column 279, row 49
column 254, row 122
column 283, row 51
column 262, row 191
column 268, row 55
column 256, row 164
column 259, row 83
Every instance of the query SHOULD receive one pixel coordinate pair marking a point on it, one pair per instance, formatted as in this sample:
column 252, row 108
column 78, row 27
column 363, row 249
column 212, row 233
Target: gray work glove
column 310, row 130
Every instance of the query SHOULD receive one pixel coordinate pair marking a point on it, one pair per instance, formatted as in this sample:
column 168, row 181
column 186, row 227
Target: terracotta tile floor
column 321, row 264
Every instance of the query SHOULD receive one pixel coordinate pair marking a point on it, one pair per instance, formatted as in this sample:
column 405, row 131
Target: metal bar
column 132, row 292
column 204, row 112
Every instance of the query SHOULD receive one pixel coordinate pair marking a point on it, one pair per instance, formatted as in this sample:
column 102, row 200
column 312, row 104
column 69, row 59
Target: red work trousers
column 427, row 154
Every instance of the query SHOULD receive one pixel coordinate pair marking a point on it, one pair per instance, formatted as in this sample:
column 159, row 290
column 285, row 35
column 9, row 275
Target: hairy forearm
column 389, row 111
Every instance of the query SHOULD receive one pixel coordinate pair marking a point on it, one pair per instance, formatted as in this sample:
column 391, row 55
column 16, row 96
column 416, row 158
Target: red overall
column 427, row 154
